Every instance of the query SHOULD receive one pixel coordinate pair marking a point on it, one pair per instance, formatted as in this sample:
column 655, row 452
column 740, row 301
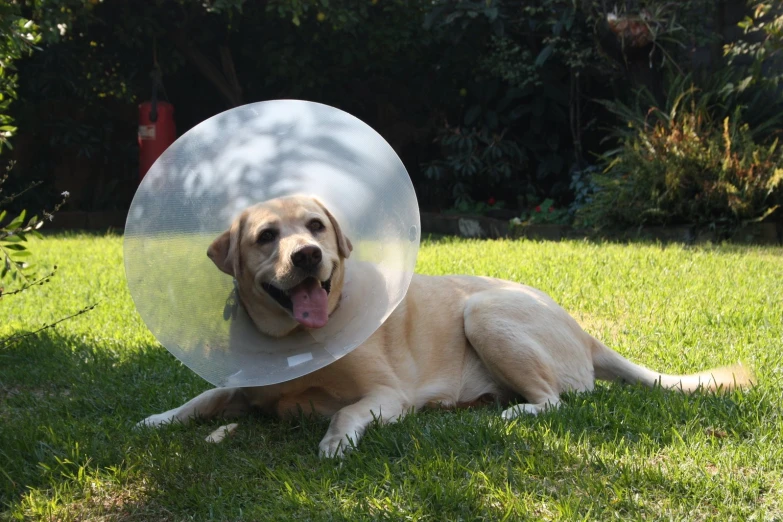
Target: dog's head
column 287, row 256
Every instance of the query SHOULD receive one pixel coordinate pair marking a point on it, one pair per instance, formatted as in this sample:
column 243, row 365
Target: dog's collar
column 248, row 155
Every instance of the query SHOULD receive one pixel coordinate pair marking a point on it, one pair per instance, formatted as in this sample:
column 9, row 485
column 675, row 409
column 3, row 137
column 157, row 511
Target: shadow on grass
column 68, row 406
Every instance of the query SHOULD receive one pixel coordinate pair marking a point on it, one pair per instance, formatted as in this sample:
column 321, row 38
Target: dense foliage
column 482, row 99
column 709, row 153
column 681, row 166
column 17, row 273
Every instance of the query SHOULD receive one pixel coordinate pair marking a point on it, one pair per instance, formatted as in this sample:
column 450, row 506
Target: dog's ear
column 224, row 251
column 344, row 246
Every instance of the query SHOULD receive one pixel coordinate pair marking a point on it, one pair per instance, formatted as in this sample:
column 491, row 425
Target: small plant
column 13, row 237
column 583, row 187
column 544, row 213
column 15, row 256
column 763, row 45
column 474, row 156
column 681, row 166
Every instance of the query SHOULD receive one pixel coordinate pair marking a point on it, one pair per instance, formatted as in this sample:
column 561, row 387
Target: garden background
column 596, row 113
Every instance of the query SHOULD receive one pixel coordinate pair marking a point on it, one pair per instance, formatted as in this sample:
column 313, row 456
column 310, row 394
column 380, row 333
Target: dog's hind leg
column 228, row 402
column 522, row 339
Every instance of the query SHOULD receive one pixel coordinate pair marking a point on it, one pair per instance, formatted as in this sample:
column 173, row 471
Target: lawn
column 70, row 397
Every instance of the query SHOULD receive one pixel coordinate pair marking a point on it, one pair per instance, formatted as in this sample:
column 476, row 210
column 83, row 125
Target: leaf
column 520, row 111
column 492, row 120
column 433, row 16
column 14, row 246
column 545, row 53
column 22, row 253
column 767, row 213
column 775, row 180
column 14, row 239
column 451, row 17
column 550, row 165
column 17, row 221
column 498, row 28
column 472, row 114
column 569, row 21
column 744, row 84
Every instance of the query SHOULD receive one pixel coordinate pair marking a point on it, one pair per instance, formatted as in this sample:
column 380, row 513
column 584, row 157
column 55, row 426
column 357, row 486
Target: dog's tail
column 611, row 366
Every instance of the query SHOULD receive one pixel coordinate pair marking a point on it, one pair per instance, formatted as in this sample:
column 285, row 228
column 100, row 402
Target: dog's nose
column 306, row 257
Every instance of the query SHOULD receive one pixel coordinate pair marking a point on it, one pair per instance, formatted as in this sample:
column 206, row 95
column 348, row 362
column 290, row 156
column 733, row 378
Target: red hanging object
column 156, row 122
column 157, row 131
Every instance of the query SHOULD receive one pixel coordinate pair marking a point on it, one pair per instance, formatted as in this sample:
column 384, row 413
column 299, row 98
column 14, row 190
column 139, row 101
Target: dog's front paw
column 530, row 409
column 153, row 421
column 519, row 410
column 334, row 447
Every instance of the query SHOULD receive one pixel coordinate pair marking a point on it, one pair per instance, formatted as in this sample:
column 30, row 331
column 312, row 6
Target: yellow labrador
column 452, row 341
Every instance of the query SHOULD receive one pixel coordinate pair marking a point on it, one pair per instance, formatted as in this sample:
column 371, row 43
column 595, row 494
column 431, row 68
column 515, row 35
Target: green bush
column 527, row 115
column 16, row 274
column 762, row 45
column 473, row 156
column 685, row 166
column 480, row 98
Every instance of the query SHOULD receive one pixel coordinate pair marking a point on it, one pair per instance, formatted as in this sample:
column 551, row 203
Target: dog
column 452, row 341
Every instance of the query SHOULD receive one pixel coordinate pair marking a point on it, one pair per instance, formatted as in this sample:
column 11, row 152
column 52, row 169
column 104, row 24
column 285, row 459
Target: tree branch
column 11, row 340
column 228, row 85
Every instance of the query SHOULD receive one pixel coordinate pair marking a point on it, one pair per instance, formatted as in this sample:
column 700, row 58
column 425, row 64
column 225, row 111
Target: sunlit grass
column 69, row 398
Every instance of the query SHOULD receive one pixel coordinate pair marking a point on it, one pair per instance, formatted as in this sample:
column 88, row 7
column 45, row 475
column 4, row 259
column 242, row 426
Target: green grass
column 69, row 398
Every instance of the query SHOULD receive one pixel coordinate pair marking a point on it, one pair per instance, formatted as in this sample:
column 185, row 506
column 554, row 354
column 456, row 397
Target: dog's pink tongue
column 310, row 303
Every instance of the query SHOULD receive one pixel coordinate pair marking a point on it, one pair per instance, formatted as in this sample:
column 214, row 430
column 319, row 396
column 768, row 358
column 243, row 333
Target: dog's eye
column 316, row 225
column 266, row 236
